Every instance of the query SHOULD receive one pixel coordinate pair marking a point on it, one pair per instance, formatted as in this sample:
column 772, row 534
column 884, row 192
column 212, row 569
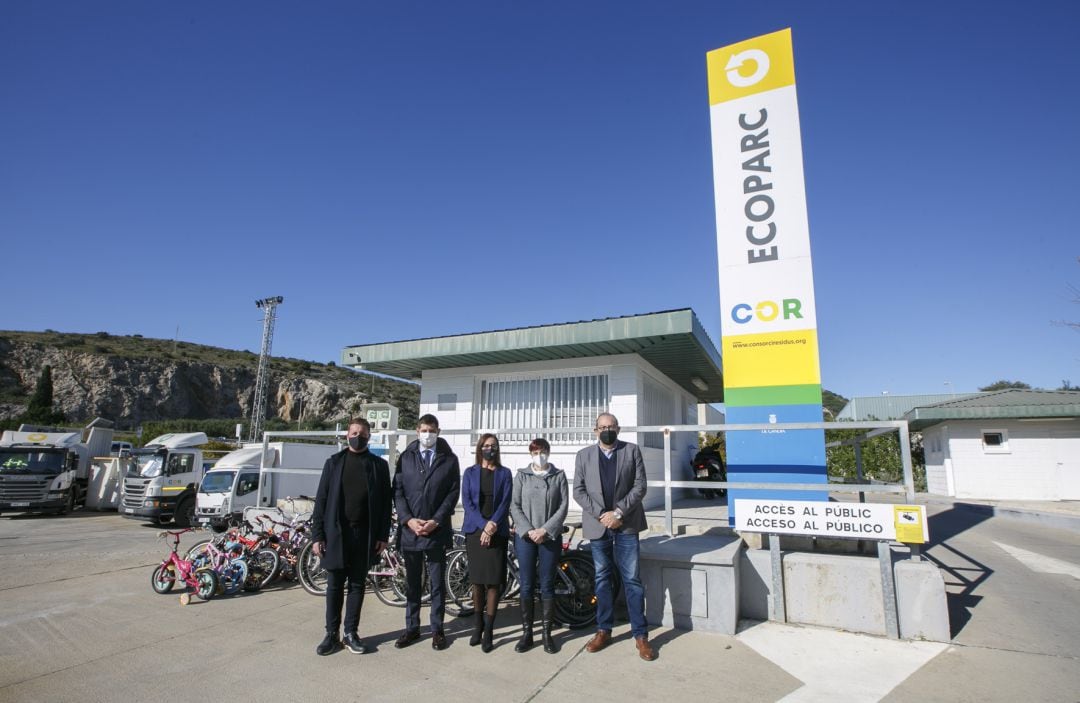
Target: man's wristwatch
column 618, row 514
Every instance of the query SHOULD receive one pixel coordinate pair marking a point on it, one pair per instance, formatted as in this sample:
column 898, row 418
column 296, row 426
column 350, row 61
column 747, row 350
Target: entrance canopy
column 673, row 341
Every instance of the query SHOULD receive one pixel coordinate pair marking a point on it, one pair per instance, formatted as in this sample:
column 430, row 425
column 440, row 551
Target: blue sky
column 408, row 169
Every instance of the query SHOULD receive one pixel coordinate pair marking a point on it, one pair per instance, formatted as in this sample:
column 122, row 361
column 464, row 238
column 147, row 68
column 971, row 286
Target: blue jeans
column 528, row 553
column 618, row 551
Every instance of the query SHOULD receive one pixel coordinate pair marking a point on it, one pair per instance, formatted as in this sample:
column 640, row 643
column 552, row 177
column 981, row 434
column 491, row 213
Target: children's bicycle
column 202, row 581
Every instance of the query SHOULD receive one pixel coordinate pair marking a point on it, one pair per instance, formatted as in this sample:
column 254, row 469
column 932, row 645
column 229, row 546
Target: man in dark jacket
column 350, row 527
column 426, row 485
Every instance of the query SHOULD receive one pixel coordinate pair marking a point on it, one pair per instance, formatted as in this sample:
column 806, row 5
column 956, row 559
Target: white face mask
column 539, row 460
column 427, row 439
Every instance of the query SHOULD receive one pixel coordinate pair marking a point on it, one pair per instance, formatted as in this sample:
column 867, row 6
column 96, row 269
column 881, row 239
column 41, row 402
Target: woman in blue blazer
column 486, row 490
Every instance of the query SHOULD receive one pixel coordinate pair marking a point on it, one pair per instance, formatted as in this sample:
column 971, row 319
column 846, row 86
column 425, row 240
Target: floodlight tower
column 258, row 403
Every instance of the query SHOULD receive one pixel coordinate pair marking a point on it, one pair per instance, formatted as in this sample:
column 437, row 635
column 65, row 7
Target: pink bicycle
column 203, row 581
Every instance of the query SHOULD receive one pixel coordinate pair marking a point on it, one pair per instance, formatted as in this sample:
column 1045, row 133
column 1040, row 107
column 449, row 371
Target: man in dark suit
column 609, row 484
column 350, row 527
column 426, row 485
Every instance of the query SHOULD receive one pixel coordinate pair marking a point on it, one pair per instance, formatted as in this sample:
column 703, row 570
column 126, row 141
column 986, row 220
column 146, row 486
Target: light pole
column 258, row 408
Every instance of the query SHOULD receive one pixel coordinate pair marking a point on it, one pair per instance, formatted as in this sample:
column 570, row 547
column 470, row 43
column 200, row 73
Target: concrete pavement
column 78, row 621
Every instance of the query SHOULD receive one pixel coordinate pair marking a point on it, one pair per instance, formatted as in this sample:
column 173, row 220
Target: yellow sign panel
column 35, row 437
column 773, row 359
column 910, row 522
column 752, row 66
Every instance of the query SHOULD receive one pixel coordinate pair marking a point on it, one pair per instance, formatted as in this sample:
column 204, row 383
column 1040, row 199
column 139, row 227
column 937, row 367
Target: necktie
column 427, row 458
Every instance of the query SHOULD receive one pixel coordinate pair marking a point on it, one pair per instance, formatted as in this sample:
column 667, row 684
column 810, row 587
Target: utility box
column 383, row 418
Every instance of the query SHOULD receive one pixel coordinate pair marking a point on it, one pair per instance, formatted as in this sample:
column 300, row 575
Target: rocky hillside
column 131, row 380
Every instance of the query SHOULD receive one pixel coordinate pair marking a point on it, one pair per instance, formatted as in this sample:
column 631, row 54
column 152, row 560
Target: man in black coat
column 426, row 485
column 350, row 527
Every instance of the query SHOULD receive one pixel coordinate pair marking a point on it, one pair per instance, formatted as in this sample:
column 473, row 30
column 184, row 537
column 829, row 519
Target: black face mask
column 489, row 454
column 608, row 436
column 358, row 443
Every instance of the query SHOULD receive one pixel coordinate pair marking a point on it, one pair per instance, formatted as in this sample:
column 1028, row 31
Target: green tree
column 39, row 410
column 1005, row 385
column 880, row 457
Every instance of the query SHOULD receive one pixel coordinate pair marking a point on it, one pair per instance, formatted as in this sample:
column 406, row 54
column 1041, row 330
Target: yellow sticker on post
column 910, row 521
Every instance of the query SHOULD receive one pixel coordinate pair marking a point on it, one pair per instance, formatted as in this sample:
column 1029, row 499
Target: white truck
column 46, row 470
column 249, row 478
column 162, row 480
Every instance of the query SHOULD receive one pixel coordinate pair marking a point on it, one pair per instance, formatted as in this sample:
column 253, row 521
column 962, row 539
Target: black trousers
column 354, row 574
column 414, row 582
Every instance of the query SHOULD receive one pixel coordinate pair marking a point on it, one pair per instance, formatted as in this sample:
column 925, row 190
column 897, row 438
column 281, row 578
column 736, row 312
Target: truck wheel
column 185, row 513
column 69, row 504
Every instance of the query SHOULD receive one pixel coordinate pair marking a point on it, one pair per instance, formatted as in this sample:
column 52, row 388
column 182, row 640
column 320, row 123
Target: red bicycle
column 203, row 581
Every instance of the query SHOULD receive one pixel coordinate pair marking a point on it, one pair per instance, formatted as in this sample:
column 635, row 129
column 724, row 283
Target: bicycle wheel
column 575, row 591
column 163, row 579
column 511, row 585
column 206, row 583
column 233, row 575
column 199, row 554
column 309, row 570
column 266, row 564
column 383, row 577
column 458, row 589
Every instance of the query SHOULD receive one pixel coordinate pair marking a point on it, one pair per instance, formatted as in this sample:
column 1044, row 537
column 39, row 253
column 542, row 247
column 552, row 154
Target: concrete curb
column 1058, row 521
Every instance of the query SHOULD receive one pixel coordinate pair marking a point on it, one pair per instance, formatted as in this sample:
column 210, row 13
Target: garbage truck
column 248, row 477
column 45, row 469
column 162, row 479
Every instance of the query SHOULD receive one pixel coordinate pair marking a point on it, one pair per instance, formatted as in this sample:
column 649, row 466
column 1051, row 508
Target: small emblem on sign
column 761, row 67
column 909, row 524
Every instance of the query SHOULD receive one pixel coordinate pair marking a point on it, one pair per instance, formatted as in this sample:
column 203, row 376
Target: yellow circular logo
column 36, row 437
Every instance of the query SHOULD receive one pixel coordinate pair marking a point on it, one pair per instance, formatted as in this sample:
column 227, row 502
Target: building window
column 447, row 401
column 995, row 441
column 565, row 401
column 656, row 409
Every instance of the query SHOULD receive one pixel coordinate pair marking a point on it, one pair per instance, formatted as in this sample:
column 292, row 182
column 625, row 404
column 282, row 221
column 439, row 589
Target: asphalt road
column 1014, row 609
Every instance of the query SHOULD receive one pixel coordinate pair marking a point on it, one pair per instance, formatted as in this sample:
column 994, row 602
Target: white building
column 1005, row 445
column 653, row 369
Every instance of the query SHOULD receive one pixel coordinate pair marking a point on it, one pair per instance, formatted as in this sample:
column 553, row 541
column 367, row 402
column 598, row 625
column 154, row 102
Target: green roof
column 673, row 341
column 891, row 407
column 1011, row 404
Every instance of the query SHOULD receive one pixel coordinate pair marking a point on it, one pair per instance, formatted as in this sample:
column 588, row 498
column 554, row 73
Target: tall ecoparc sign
column 769, row 325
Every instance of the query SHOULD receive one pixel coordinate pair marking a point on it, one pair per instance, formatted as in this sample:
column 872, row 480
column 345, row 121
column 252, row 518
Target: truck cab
column 43, row 470
column 163, row 478
column 231, row 486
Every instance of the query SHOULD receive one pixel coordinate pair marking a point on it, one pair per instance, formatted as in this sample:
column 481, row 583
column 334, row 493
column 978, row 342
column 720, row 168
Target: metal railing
column 874, row 428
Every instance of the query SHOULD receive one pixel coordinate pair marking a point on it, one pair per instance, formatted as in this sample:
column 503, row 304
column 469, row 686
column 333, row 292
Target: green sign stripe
column 806, row 394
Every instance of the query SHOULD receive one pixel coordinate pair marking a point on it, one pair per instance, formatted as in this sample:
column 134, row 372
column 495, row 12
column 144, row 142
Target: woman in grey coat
column 538, row 507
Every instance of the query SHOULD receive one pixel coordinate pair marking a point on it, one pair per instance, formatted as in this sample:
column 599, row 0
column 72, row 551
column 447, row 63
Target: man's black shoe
column 438, row 641
column 354, row 644
column 329, row 645
column 407, row 638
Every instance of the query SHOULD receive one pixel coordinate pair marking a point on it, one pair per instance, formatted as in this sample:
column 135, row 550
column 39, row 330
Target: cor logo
column 757, row 57
column 767, row 310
